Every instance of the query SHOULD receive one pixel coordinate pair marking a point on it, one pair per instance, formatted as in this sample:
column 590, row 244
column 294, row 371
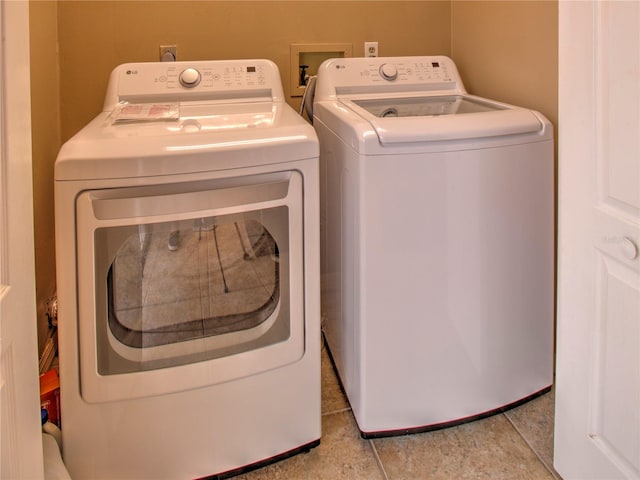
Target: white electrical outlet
column 370, row 49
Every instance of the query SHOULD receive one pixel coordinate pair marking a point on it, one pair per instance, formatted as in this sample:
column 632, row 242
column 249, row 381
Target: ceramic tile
column 534, row 421
column 341, row 455
column 333, row 399
column 486, row 449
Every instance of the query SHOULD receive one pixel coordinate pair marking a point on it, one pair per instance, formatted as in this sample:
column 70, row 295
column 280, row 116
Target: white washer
column 187, row 242
column 437, row 223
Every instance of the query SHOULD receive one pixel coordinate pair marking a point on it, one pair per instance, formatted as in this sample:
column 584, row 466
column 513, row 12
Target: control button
column 190, row 77
column 388, row 71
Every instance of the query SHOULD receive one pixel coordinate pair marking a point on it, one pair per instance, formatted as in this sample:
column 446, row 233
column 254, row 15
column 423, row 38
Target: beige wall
column 45, row 122
column 504, row 50
column 97, row 36
column 508, row 50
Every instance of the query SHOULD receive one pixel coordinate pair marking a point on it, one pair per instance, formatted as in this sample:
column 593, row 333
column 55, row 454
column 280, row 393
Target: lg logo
column 132, row 72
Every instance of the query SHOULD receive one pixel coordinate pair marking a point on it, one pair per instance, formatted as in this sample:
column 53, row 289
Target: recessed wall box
column 307, row 57
column 168, row 53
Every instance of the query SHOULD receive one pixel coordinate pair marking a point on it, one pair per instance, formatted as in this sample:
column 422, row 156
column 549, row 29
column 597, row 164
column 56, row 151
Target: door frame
column 21, row 437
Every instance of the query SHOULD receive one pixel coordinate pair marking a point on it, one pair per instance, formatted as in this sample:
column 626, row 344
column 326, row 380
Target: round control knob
column 190, row 77
column 388, row 71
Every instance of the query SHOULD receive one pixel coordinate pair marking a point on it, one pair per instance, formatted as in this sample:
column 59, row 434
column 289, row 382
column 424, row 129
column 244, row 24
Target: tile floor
column 517, row 445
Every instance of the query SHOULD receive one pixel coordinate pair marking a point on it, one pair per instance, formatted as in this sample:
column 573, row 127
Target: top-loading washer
column 187, row 244
column 437, row 221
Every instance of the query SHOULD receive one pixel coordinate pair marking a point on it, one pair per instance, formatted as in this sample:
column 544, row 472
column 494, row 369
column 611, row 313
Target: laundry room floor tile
column 534, row 421
column 486, row 449
column 333, row 398
column 515, row 445
column 341, row 455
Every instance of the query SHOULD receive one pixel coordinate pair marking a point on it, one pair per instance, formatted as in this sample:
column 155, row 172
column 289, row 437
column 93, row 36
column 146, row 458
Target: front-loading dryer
column 437, row 225
column 187, row 245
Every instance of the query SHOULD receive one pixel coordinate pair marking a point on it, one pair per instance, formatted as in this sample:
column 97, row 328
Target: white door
column 20, row 439
column 598, row 345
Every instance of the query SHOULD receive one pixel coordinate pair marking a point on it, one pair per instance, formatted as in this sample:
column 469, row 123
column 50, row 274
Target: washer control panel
column 194, row 81
column 402, row 71
column 367, row 75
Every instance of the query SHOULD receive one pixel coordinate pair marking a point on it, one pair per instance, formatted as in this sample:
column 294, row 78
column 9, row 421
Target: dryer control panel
column 401, row 74
column 223, row 80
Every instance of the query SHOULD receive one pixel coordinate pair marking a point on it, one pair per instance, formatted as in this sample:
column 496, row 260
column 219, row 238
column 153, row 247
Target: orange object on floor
column 50, row 395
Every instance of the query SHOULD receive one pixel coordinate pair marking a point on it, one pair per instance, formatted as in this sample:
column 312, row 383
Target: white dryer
column 437, row 221
column 187, row 242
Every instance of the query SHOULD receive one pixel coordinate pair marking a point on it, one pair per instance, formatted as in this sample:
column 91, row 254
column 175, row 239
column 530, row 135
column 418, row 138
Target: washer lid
column 425, row 106
column 435, row 118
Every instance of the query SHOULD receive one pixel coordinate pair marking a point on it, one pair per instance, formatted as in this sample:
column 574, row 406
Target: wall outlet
column 168, row 53
column 370, row 49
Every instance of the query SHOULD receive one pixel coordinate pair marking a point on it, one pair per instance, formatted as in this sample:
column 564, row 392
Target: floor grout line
column 539, row 456
column 340, row 410
column 549, row 468
column 378, row 460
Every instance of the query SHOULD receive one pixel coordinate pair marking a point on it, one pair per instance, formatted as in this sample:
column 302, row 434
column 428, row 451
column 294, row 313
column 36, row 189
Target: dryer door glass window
column 191, row 273
column 179, row 281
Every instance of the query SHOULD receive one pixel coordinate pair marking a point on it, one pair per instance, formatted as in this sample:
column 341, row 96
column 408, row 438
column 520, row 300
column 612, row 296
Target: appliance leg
column 241, row 230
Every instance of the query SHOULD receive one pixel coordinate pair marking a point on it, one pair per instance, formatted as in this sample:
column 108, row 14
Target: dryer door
column 187, row 285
